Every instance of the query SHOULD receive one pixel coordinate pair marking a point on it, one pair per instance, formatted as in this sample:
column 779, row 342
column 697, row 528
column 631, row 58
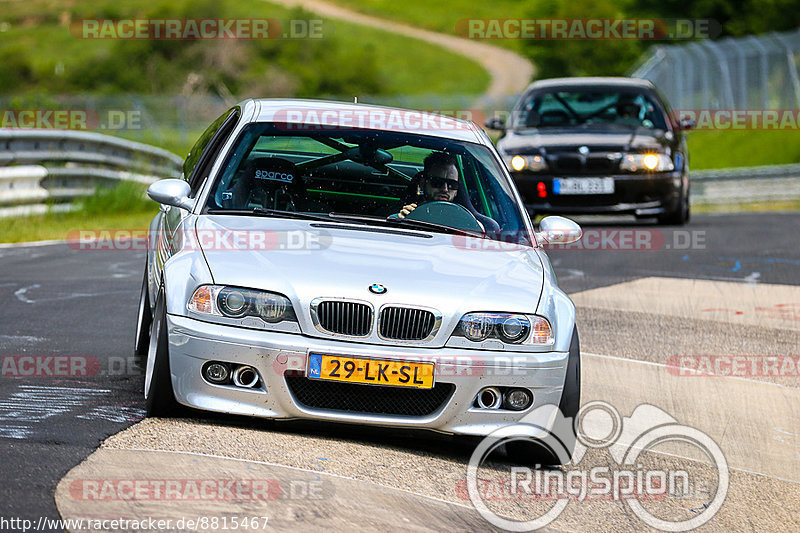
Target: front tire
column 558, row 447
column 158, row 392
column 680, row 216
column 144, row 320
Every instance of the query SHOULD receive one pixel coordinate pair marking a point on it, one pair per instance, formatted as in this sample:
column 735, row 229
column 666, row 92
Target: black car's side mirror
column 496, row 123
column 686, row 123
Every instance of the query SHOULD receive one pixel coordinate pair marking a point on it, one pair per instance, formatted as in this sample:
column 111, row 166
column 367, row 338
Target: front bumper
column 634, row 194
column 275, row 354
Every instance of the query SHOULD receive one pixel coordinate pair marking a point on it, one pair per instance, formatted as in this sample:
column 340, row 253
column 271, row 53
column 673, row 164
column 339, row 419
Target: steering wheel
column 447, row 214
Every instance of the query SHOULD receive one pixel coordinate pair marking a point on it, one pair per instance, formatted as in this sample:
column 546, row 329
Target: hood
column 600, row 140
column 305, row 260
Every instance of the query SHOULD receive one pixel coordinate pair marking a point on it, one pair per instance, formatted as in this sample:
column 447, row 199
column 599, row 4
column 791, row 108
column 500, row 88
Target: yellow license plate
column 370, row 371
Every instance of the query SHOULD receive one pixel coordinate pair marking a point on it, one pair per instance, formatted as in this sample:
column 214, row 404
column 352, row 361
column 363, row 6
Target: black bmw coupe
column 597, row 145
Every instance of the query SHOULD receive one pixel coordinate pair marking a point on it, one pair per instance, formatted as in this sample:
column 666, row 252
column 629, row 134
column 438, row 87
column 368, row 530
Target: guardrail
column 41, row 167
column 745, row 184
column 53, row 167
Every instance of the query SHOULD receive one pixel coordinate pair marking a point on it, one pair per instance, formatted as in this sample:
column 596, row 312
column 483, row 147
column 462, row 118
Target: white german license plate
column 583, row 186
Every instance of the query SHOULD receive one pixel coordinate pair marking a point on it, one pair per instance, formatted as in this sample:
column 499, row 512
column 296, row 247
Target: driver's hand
column 406, row 210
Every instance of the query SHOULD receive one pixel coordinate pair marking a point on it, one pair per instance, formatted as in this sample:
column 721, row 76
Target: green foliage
column 554, row 58
column 15, row 68
column 40, row 53
column 736, row 17
column 124, row 197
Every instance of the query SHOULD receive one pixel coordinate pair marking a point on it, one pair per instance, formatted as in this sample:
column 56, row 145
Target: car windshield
column 366, row 177
column 609, row 108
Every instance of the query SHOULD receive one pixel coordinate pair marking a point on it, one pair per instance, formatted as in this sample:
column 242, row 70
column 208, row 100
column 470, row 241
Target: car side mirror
column 558, row 230
column 686, row 123
column 172, row 192
column 496, row 123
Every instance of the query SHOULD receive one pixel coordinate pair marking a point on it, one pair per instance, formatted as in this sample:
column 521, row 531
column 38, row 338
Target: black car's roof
column 610, row 81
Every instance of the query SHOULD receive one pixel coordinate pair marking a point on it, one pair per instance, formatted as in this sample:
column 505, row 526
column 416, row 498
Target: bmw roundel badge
column 377, row 288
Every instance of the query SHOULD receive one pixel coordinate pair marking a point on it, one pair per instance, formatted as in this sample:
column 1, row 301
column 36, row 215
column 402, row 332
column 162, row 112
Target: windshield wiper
column 431, row 226
column 261, row 211
column 392, row 220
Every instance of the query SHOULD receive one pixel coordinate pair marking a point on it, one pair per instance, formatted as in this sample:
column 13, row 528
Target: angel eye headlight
column 514, row 328
column 647, row 163
column 511, row 328
column 232, row 302
column 533, row 163
column 235, row 302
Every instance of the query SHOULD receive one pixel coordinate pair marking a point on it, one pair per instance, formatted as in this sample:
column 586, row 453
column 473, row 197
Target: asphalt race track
column 721, row 286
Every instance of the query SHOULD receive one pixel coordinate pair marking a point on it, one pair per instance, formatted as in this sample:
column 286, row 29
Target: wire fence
column 753, row 72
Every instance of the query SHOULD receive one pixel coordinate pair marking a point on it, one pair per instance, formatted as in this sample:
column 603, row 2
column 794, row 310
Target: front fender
column 556, row 306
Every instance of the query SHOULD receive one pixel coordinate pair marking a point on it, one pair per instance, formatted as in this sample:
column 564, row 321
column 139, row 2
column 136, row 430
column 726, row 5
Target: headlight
column 646, row 163
column 509, row 328
column 234, row 302
column 517, row 163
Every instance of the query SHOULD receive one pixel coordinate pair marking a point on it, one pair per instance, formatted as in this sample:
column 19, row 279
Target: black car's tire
column 144, row 319
column 557, row 449
column 158, row 393
column 680, row 216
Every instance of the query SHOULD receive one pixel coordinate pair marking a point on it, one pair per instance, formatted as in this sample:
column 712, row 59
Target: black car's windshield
column 589, row 107
column 369, row 176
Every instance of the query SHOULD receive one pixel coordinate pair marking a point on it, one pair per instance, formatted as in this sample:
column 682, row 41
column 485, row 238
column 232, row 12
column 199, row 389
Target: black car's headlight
column 236, row 302
column 647, row 163
column 510, row 328
column 532, row 163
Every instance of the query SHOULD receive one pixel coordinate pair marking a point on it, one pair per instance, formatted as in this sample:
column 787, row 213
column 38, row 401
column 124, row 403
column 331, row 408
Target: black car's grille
column 601, row 165
column 373, row 399
column 345, row 318
column 573, row 164
column 406, row 324
column 568, row 164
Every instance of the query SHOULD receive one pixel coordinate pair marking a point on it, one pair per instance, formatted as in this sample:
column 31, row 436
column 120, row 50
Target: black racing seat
column 267, row 182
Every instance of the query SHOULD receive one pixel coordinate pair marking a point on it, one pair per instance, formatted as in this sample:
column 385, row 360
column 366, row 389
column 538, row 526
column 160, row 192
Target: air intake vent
column 403, row 323
column 345, row 318
column 372, row 399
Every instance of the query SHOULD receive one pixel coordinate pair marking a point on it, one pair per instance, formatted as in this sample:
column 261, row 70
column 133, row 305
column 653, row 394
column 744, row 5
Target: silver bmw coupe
column 352, row 263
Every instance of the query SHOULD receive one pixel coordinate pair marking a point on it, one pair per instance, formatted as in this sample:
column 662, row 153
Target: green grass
column 444, row 16
column 38, row 31
column 747, row 207
column 123, row 207
column 54, row 226
column 742, row 148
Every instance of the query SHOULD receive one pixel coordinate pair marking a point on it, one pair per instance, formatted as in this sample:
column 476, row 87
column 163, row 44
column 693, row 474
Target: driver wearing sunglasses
column 439, row 181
